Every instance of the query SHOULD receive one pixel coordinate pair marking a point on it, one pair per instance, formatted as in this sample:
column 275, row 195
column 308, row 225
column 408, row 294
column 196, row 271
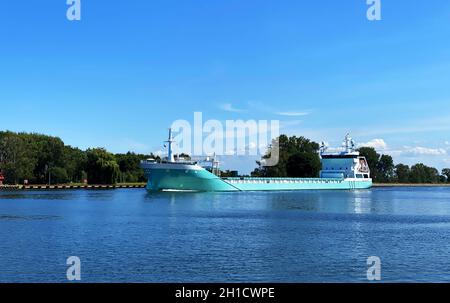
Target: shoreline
column 143, row 185
column 70, row 186
column 411, row 184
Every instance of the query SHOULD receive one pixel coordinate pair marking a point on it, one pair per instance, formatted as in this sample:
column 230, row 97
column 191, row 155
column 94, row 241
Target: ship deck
column 281, row 180
column 277, row 184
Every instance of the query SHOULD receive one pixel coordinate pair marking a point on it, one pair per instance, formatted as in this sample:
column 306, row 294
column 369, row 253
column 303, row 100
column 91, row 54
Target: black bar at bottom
column 225, row 293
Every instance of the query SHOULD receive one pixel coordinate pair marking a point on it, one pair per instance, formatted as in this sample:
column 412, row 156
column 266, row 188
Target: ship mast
column 349, row 144
column 170, row 157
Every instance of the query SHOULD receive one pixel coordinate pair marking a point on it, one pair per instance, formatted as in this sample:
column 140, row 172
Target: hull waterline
column 203, row 180
column 346, row 170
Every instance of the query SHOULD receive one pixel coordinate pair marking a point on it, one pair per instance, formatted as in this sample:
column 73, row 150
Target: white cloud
column 230, row 108
column 293, row 114
column 252, row 145
column 423, row 151
column 378, row 144
column 251, row 148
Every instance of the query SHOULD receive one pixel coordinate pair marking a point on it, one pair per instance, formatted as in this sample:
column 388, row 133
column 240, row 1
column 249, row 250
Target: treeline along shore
column 39, row 159
column 299, row 157
column 69, row 186
column 29, row 160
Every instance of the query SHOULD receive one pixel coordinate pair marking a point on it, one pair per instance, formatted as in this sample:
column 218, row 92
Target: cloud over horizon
column 228, row 107
column 292, row 114
column 378, row 144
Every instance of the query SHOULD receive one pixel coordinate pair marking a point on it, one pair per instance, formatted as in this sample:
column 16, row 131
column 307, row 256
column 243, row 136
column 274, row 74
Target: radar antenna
column 348, row 144
column 323, row 147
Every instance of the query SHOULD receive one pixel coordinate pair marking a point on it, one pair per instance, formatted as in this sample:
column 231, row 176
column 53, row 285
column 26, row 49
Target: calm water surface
column 312, row 236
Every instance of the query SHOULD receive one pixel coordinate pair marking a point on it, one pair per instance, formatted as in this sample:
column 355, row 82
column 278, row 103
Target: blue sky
column 120, row 76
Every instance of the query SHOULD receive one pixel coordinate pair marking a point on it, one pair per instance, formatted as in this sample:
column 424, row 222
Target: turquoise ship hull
column 346, row 170
column 186, row 180
column 203, row 180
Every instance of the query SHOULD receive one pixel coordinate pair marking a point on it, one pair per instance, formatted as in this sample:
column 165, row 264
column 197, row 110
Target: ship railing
column 282, row 180
column 192, row 159
column 148, row 161
column 165, row 161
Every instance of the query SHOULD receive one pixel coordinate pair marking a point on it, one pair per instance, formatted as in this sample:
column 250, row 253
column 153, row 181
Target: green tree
column 130, row 168
column 75, row 161
column 433, row 175
column 446, row 174
column 58, row 175
column 303, row 165
column 101, row 167
column 421, row 173
column 16, row 158
column 385, row 169
column 36, row 157
column 293, row 148
column 49, row 152
column 402, row 173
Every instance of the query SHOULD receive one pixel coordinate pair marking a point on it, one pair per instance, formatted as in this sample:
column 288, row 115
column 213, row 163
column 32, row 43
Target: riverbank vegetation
column 299, row 157
column 41, row 159
column 384, row 170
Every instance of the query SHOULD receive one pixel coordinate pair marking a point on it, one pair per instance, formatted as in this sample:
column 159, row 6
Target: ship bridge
column 345, row 164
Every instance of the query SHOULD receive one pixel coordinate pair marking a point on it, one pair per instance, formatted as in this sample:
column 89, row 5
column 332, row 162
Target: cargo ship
column 343, row 170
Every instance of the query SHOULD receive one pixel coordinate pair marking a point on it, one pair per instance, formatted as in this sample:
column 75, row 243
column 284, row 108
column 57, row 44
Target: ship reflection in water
column 389, row 201
column 305, row 236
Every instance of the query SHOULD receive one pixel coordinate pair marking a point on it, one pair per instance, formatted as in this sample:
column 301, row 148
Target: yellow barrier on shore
column 68, row 186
